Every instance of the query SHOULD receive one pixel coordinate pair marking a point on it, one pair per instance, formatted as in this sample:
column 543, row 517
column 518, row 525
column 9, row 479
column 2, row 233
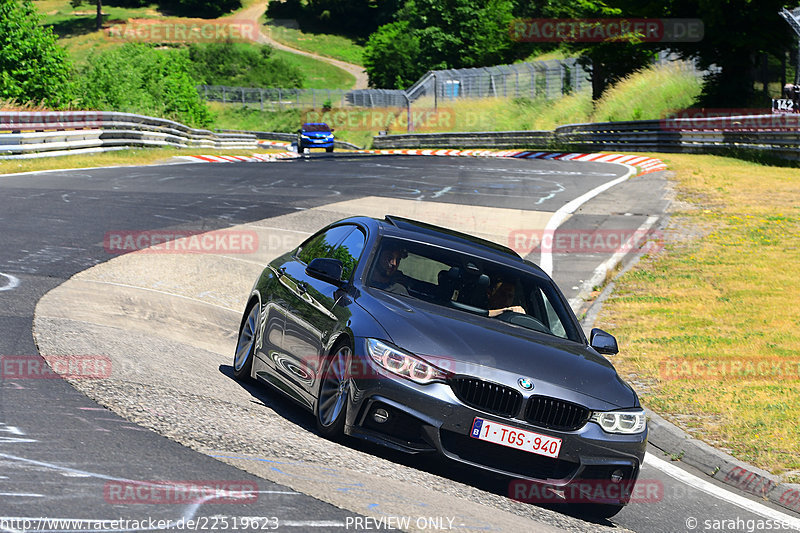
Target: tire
column 329, row 150
column 245, row 346
column 332, row 396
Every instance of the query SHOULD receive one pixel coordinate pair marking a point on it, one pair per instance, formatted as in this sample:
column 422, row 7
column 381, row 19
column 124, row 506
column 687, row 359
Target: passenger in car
column 501, row 298
column 386, row 275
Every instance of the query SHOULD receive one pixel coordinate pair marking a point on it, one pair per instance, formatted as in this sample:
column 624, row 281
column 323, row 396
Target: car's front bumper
column 311, row 142
column 430, row 418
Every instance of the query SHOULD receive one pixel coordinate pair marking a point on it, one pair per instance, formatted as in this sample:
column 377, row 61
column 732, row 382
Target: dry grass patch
column 711, row 323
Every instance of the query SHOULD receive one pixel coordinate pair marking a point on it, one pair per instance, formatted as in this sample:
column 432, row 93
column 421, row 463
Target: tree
column 607, row 61
column 137, row 78
column 439, row 34
column 32, row 65
column 99, row 19
column 736, row 33
column 200, row 8
column 385, row 57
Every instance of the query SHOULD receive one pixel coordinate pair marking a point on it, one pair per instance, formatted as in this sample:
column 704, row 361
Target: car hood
column 317, row 133
column 464, row 343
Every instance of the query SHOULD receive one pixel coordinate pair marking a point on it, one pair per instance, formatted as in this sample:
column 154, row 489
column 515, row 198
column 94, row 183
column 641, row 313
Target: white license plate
column 520, row 439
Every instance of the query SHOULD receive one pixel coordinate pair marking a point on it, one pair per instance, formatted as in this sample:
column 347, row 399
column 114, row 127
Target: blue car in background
column 315, row 135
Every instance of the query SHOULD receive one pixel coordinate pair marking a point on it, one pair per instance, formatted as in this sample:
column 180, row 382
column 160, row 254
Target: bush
column 242, row 65
column 33, row 68
column 136, row 78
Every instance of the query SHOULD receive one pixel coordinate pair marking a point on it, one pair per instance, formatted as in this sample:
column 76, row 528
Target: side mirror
column 332, row 130
column 300, row 131
column 326, row 269
column 603, row 342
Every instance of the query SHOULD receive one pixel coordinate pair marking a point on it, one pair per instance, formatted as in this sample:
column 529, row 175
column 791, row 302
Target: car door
column 312, row 310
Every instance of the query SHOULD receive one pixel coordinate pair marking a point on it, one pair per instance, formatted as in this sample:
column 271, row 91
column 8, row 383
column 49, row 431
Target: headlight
column 624, row 422
column 403, row 364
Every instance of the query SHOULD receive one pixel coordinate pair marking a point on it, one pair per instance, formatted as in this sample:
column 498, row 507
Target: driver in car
column 385, row 275
column 501, row 298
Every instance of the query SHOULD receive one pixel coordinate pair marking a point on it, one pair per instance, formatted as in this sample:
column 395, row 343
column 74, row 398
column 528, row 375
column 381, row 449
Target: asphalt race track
column 168, row 414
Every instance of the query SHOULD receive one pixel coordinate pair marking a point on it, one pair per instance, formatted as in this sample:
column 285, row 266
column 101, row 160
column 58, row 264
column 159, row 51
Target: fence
column 547, row 79
column 26, row 134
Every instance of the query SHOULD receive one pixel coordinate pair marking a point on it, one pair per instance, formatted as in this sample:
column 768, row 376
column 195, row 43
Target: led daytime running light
column 403, row 364
column 620, row 422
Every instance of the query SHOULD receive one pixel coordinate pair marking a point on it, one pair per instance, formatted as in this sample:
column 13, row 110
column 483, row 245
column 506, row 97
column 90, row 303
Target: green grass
column 326, row 45
column 67, row 21
column 725, row 293
column 650, row 94
column 318, row 74
column 232, row 116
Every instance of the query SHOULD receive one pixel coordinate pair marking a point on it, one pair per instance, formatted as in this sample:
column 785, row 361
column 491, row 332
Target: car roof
column 406, row 228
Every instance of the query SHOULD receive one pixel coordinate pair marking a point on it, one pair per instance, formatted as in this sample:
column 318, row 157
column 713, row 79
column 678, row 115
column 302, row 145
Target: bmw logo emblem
column 525, row 383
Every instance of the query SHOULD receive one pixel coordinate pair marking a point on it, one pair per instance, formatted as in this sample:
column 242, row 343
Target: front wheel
column 245, row 346
column 333, row 393
column 329, row 150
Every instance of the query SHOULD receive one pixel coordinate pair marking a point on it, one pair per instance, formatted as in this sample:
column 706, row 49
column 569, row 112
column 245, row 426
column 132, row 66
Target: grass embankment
column 709, row 326
column 631, row 99
column 333, row 46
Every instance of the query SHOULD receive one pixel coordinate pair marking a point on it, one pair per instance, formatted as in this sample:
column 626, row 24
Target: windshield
column 317, row 127
column 470, row 284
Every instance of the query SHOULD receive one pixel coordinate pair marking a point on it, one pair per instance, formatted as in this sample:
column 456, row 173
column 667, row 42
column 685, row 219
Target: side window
column 322, row 244
column 349, row 251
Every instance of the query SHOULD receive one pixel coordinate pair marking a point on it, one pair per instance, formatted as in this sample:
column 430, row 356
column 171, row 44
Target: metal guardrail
column 290, row 138
column 494, row 139
column 778, row 134
column 29, row 134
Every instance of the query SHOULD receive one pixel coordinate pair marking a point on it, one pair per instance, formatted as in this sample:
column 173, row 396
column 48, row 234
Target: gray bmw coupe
column 427, row 340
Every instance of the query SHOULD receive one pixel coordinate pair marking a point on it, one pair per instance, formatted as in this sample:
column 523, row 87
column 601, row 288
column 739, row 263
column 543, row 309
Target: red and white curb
column 275, row 144
column 255, row 158
column 645, row 164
